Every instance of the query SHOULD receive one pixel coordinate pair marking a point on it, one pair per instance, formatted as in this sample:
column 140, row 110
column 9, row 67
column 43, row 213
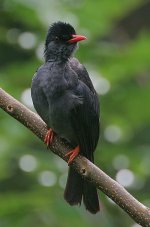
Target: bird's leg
column 72, row 154
column 49, row 137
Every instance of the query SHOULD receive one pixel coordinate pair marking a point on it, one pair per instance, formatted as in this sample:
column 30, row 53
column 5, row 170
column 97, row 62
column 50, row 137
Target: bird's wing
column 82, row 73
column 38, row 97
column 85, row 121
column 83, row 76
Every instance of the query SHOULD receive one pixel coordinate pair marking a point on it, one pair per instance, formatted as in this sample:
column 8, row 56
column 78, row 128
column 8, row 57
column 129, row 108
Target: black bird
column 64, row 96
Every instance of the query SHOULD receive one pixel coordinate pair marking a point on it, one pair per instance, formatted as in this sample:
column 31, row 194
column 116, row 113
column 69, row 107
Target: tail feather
column 90, row 198
column 76, row 188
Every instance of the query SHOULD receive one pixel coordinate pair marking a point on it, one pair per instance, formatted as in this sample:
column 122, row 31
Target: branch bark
column 137, row 211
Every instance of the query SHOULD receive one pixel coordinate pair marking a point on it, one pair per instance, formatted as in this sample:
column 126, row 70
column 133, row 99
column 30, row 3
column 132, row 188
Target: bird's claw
column 49, row 137
column 72, row 154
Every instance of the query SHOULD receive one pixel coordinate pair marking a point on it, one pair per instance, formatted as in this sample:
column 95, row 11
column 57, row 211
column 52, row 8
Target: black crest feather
column 61, row 30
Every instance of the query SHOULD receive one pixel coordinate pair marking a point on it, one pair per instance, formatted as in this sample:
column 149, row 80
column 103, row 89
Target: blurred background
column 117, row 56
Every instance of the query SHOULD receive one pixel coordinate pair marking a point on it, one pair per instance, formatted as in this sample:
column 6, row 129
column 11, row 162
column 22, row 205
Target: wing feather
column 85, row 116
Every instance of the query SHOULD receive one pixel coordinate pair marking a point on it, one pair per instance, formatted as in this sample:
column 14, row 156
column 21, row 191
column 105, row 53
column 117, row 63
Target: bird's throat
column 61, row 54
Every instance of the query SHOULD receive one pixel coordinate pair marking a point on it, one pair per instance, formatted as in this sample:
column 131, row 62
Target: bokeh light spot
column 102, row 85
column 26, row 98
column 40, row 52
column 125, row 177
column 27, row 40
column 112, row 133
column 28, row 163
column 47, row 178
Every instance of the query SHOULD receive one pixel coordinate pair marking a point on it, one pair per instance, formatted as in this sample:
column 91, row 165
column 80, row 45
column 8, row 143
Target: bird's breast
column 60, row 115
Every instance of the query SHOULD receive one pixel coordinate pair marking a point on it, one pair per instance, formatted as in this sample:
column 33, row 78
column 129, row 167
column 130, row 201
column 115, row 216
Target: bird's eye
column 56, row 38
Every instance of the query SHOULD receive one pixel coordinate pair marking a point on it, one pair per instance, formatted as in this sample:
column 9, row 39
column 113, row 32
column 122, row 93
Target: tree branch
column 136, row 210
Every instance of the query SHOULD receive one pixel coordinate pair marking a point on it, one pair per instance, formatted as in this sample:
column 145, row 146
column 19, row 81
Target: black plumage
column 66, row 100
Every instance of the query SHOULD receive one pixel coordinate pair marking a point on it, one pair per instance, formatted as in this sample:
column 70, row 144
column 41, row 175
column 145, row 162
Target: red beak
column 76, row 38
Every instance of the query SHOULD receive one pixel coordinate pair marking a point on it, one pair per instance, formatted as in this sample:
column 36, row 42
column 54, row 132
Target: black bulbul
column 64, row 97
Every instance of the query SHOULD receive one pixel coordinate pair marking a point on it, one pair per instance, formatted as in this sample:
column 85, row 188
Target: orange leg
column 72, row 154
column 49, row 137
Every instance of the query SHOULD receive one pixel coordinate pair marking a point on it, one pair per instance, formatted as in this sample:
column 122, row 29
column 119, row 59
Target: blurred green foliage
column 117, row 56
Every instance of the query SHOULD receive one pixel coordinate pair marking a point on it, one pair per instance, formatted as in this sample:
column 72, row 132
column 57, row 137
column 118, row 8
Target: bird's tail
column 74, row 188
column 77, row 188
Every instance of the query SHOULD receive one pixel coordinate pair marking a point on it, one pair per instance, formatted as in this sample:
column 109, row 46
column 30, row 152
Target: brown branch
column 136, row 210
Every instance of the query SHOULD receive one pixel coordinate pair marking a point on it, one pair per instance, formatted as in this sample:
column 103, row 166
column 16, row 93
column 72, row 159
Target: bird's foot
column 72, row 154
column 49, row 137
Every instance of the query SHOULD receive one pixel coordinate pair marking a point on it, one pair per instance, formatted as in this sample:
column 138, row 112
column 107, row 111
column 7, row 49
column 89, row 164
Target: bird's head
column 61, row 41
